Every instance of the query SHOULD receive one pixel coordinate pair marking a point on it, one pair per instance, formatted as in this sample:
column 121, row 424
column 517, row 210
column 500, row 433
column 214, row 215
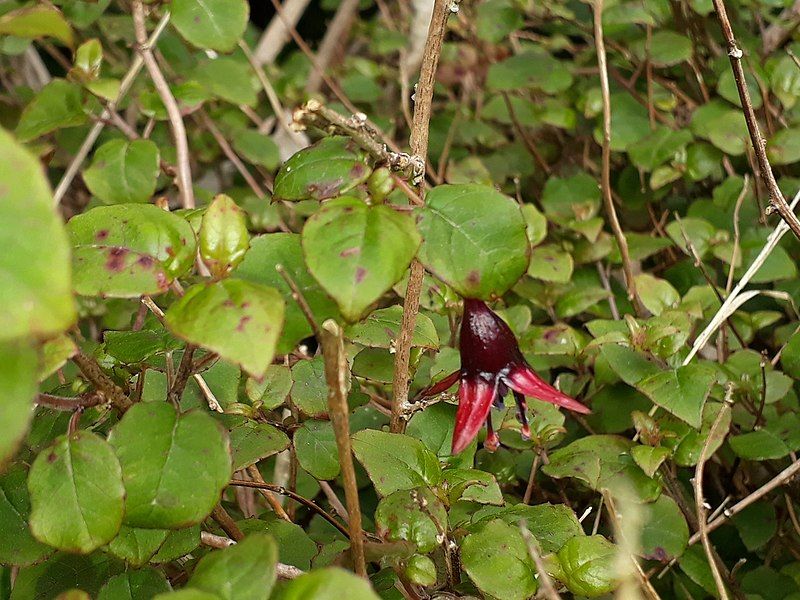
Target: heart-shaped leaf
column 211, row 24
column 123, row 171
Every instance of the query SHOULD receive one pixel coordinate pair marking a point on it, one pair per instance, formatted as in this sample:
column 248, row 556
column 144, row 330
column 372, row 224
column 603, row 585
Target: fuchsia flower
column 491, row 364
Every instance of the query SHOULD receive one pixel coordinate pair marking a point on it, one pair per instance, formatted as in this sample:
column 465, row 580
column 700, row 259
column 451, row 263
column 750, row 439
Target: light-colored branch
column 733, row 300
column 699, row 500
column 184, row 175
column 277, row 32
column 334, row 37
column 97, row 128
column 276, row 506
column 735, row 54
column 272, row 96
column 548, row 589
column 605, row 177
column 103, row 383
column 337, row 374
column 419, row 149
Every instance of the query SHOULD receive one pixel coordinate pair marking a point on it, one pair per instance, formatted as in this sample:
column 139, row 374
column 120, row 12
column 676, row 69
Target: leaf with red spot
column 331, row 167
column 116, row 272
column 239, row 320
column 358, row 252
column 141, row 228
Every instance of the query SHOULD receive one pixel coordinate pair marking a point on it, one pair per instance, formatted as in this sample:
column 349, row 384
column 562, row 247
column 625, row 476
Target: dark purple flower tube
column 491, row 364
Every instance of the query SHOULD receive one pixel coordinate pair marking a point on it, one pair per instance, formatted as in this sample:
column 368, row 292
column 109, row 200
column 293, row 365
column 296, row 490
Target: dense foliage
column 191, row 322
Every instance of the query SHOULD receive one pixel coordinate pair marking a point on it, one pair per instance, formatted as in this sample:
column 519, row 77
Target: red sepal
column 475, row 398
column 522, row 379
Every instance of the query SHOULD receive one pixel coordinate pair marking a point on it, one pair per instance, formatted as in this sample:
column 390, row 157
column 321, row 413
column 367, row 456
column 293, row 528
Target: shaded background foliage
column 165, row 322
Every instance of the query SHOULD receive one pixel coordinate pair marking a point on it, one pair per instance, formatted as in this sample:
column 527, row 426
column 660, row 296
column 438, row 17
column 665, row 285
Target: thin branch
column 224, row 520
column 272, row 96
column 279, row 489
column 276, row 506
column 219, row 542
column 184, row 177
column 699, row 500
column 277, row 32
column 548, row 589
column 529, row 143
column 733, row 298
column 298, row 297
column 335, row 36
column 337, row 374
column 419, row 149
column 336, row 504
column 605, row 177
column 103, row 383
column 97, row 128
column 735, row 54
column 67, row 404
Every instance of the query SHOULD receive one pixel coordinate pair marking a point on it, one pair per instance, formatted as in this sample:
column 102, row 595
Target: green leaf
column 722, row 126
column 77, row 497
column 664, row 530
column 474, row 239
column 550, row 263
column 631, row 366
column 238, row 320
column 473, row 485
column 143, row 584
column 179, row 542
column 267, row 251
column 571, row 198
column 649, row 458
column 144, row 229
column 64, row 572
column 251, row 442
column 174, row 466
column 89, row 59
column 17, row 544
column 779, row 438
column 421, row 570
column 587, row 565
column 137, row 546
column 35, row 288
column 330, row 583
column 551, row 524
column 315, row 446
column 357, row 252
column 116, row 272
column 211, row 24
column 36, row 22
column 790, row 357
column 295, row 547
column 273, row 387
column 656, row 294
column 258, row 148
column 327, row 169
column 245, row 571
column 228, row 79
column 682, row 391
column 381, row 328
column 310, row 389
column 603, row 462
column 496, row 559
column 784, row 147
column 495, row 19
column 395, row 462
column 59, row 104
column 534, row 68
column 18, row 379
column 756, row 525
column 400, row 517
column 223, row 236
column 669, row 48
column 123, row 171
column 658, row 147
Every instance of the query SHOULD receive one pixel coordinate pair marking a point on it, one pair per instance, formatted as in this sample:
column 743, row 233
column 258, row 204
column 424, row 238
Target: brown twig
column 66, row 403
column 337, row 374
column 276, row 506
column 184, row 176
column 279, row 489
column 297, row 296
column 419, row 149
column 226, row 522
column 229, row 153
column 529, row 144
column 777, row 201
column 102, row 382
column 699, row 500
column 605, row 178
column 272, row 96
column 183, row 373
